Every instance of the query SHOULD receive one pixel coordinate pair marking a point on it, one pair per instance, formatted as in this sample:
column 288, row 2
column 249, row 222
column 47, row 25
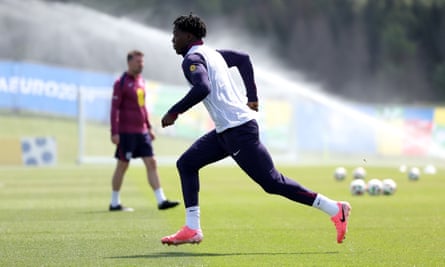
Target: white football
column 389, row 187
column 340, row 174
column 359, row 173
column 430, row 169
column 414, row 174
column 374, row 187
column 402, row 168
column 357, row 187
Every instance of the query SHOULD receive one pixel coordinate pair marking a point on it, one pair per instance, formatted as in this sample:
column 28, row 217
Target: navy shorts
column 133, row 146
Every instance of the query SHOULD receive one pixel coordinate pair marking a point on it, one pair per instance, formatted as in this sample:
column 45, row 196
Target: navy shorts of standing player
column 235, row 134
column 132, row 133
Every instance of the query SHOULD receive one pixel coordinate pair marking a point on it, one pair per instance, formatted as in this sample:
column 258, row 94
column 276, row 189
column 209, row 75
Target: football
column 414, row 174
column 429, row 169
column 357, row 187
column 374, row 187
column 388, row 187
column 340, row 174
column 359, row 173
column 402, row 168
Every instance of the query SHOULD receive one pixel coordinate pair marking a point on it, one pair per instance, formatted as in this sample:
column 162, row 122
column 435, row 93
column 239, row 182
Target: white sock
column 192, row 217
column 325, row 204
column 115, row 198
column 160, row 197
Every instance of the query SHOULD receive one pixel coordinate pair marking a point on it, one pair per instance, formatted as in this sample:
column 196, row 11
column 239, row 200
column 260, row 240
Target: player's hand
column 115, row 139
column 151, row 133
column 168, row 119
column 253, row 105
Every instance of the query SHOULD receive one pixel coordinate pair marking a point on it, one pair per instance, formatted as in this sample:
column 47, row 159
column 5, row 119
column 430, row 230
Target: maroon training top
column 128, row 112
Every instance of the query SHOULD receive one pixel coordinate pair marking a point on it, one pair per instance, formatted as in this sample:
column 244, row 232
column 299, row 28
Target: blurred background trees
column 365, row 50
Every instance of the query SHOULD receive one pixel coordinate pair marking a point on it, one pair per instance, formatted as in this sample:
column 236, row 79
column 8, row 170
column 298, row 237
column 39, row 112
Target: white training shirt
column 225, row 103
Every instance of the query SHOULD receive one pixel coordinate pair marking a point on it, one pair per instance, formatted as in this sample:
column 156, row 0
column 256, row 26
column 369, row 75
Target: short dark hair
column 192, row 24
column 134, row 53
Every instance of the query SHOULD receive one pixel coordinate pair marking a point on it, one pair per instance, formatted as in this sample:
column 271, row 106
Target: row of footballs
column 374, row 187
column 360, row 173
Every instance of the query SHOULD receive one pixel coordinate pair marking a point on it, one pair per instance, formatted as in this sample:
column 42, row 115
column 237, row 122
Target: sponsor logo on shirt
column 141, row 97
column 192, row 68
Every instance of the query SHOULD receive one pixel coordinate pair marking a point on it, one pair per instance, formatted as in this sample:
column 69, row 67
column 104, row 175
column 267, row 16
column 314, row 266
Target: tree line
column 383, row 51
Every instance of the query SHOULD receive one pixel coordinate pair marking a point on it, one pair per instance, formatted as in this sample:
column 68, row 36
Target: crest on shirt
column 192, row 68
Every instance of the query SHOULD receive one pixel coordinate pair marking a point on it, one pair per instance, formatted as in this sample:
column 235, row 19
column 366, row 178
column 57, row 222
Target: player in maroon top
column 132, row 133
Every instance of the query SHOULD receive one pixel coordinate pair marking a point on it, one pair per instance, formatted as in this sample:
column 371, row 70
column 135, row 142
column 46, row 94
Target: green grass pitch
column 58, row 217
